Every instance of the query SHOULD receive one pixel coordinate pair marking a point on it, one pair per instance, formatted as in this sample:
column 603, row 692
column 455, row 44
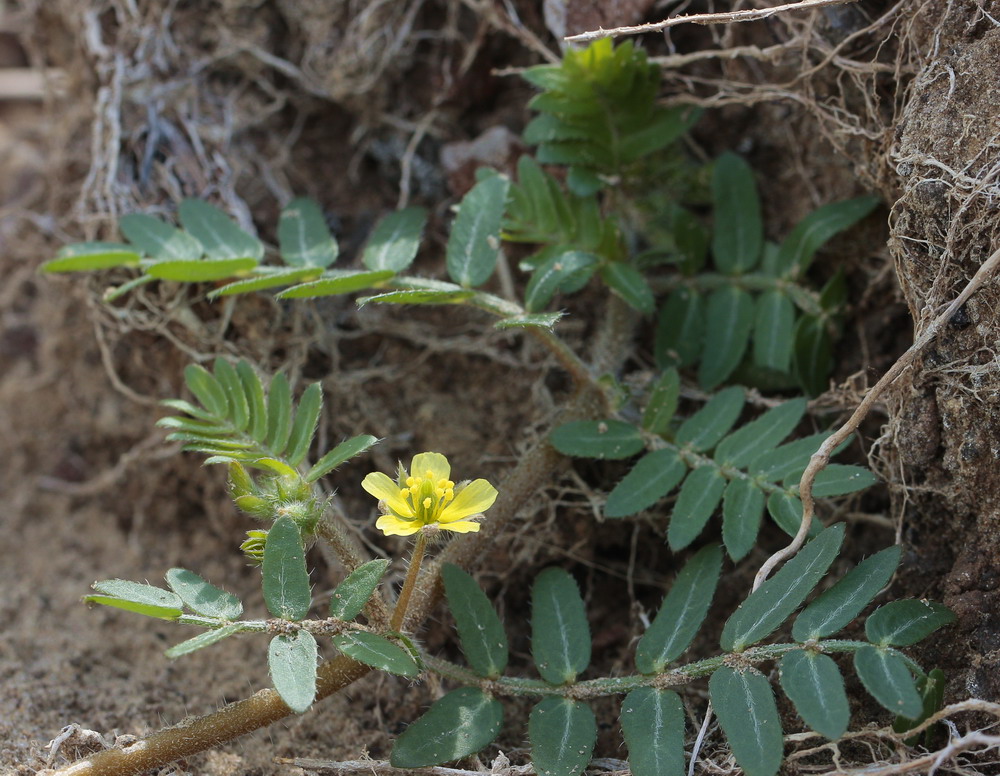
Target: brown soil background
column 352, row 103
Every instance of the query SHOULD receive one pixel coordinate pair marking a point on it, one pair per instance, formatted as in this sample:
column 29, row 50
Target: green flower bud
column 255, row 506
column 240, row 482
column 253, row 546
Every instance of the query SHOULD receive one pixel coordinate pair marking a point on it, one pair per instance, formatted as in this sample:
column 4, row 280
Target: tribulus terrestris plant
column 729, row 306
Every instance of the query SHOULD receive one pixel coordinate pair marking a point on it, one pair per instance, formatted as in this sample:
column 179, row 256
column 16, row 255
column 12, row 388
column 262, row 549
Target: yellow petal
column 477, row 496
column 462, row 526
column 435, row 463
column 384, row 489
column 391, row 525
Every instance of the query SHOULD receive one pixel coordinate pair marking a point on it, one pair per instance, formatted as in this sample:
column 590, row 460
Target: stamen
column 405, row 493
column 411, row 482
column 427, row 502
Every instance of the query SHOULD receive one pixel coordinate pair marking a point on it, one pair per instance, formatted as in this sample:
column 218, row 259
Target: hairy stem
column 403, row 602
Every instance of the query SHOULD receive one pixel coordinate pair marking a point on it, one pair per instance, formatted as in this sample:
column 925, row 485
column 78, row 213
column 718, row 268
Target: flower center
column 428, row 497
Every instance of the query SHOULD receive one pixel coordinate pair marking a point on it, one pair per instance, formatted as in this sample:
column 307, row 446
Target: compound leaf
column 902, row 623
column 653, row 477
column 204, row 598
column 560, row 633
column 605, row 439
column 562, row 734
column 351, row 595
column 884, row 674
column 813, row 683
column 286, row 580
column 773, row 602
column 484, row 642
column 745, row 706
column 455, row 726
column 292, row 661
column 836, row 607
column 378, row 652
column 303, row 236
column 653, row 725
column 682, row 612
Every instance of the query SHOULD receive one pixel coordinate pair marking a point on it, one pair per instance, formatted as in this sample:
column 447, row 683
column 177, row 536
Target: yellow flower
column 426, row 496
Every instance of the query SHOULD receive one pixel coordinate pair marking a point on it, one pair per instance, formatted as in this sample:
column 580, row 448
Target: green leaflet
column 337, row 281
column 90, row 256
column 560, row 633
column 749, row 442
column 813, row 683
column 218, row 234
column 902, row 623
column 484, row 642
column 255, row 400
column 653, row 724
column 562, row 734
column 304, row 425
column 229, row 379
column 814, row 230
column 729, row 323
column 606, row 439
column 698, row 497
column 682, row 612
column 292, row 662
column 836, row 607
column 137, row 597
column 267, row 277
column 351, row 595
column 662, row 402
column 418, row 296
column 207, row 390
column 744, row 704
column 652, row 478
column 394, row 242
column 773, row 602
column 455, row 726
column 742, row 510
column 788, row 459
column 340, row 454
column 531, row 320
column 303, row 236
column 812, row 357
column 628, row 283
column 203, row 640
column 378, row 652
column 703, row 430
column 838, row 479
column 157, row 239
column 738, row 236
column 786, row 511
column 475, row 236
column 553, row 273
column 773, row 328
column 287, row 593
column 884, row 674
column 680, row 330
column 279, row 413
column 201, row 597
